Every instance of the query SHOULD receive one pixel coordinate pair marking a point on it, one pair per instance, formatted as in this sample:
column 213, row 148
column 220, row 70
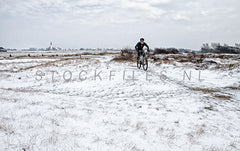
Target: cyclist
column 139, row 47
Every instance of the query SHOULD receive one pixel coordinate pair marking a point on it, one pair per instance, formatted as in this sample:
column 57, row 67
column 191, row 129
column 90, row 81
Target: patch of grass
column 108, row 53
column 87, row 53
column 123, row 59
column 194, row 135
column 101, row 53
column 128, row 57
column 191, row 57
column 232, row 88
column 62, row 55
column 160, row 62
column 49, row 63
column 204, row 90
column 213, row 92
column 171, row 135
column 8, row 129
column 223, row 97
column 234, row 65
column 209, row 108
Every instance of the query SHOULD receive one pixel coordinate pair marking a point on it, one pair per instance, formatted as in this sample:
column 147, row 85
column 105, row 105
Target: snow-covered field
column 89, row 102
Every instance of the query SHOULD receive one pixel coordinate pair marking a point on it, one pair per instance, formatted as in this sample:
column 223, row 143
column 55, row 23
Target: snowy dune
column 68, row 102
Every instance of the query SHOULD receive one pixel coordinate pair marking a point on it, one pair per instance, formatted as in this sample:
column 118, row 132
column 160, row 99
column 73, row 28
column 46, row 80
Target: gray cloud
column 179, row 23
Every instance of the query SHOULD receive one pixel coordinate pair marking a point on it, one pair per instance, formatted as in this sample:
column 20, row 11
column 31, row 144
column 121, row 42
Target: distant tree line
column 218, row 48
column 2, row 49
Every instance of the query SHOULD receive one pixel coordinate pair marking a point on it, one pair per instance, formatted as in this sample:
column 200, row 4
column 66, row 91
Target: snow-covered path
column 156, row 110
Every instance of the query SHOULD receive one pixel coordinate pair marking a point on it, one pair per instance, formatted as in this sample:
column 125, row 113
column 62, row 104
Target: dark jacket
column 140, row 46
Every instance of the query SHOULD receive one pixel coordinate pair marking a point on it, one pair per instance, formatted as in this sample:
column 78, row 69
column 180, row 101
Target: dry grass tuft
column 204, row 90
column 100, row 54
column 232, row 88
column 213, row 92
column 208, row 108
column 124, row 59
column 160, row 62
column 63, row 62
column 8, row 129
column 128, row 57
column 223, row 97
column 194, row 135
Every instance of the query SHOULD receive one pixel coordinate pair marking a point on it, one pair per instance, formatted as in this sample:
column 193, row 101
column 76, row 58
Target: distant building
column 50, row 47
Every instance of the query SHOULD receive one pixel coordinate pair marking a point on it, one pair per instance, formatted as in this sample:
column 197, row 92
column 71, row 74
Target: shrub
column 129, row 55
column 166, row 51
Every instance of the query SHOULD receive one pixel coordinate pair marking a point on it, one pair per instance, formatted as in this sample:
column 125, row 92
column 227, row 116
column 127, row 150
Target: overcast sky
column 118, row 23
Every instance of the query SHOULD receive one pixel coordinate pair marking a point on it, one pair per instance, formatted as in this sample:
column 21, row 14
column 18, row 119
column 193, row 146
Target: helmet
column 141, row 39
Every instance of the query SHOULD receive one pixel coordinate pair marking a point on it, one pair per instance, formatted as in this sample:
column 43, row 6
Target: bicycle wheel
column 138, row 64
column 145, row 64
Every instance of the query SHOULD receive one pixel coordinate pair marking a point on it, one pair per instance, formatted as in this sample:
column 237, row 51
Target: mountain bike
column 142, row 61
